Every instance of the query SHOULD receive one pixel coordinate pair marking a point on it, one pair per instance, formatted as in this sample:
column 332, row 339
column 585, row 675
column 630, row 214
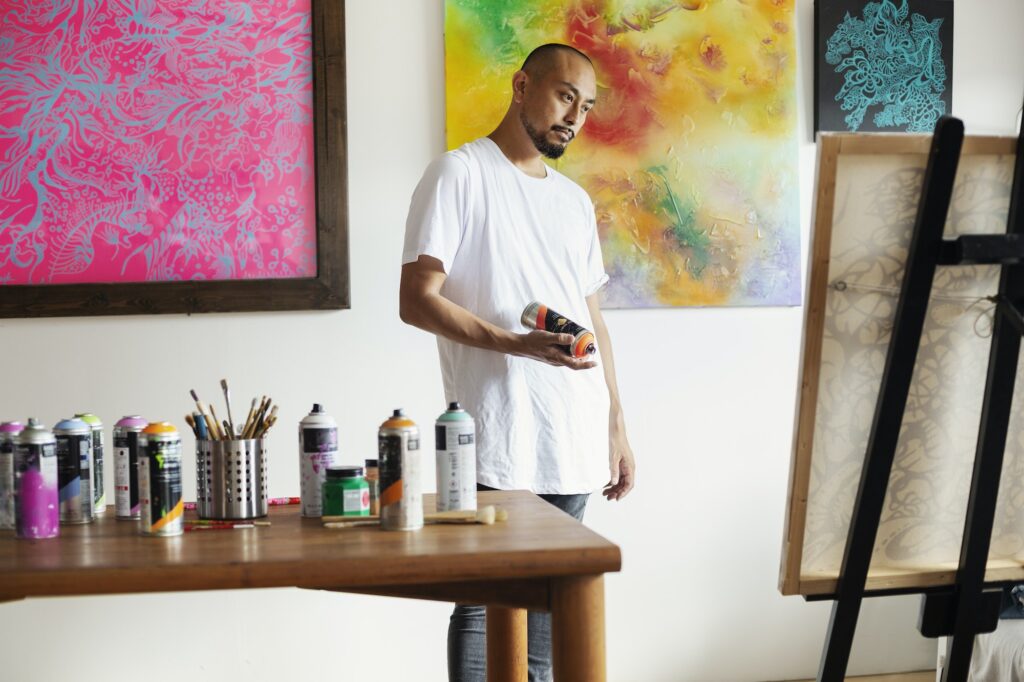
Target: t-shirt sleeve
column 596, row 277
column 437, row 212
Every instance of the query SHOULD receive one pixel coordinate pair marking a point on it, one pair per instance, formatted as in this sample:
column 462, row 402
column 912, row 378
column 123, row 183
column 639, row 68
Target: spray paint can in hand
column 74, row 470
column 401, row 483
column 8, row 432
column 36, row 504
column 99, row 492
column 126, row 466
column 163, row 510
column 455, row 442
column 539, row 316
column 318, row 450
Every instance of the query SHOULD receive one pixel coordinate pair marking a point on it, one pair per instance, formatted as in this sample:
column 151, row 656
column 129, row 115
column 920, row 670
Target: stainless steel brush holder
column 232, row 479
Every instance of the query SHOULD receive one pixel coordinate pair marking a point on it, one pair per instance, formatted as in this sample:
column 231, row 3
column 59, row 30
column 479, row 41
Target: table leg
column 506, row 645
column 577, row 628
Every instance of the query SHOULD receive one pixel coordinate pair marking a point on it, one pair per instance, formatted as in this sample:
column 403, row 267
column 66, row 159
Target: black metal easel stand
column 970, row 606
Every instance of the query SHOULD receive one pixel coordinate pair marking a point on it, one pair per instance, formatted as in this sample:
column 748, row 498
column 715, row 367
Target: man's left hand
column 622, row 463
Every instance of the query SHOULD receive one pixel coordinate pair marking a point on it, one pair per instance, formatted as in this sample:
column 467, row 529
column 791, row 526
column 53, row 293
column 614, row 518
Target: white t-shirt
column 506, row 239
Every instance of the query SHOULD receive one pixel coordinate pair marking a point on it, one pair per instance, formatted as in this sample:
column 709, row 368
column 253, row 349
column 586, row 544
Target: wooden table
column 540, row 559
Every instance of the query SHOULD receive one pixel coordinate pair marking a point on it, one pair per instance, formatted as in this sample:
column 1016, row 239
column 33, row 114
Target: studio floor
column 923, row 676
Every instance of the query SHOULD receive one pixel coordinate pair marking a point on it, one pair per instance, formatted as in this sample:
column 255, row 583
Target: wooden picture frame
column 867, row 190
column 328, row 290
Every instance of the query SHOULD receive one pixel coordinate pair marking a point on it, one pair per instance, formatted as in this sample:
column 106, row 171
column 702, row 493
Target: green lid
column 89, row 418
column 455, row 413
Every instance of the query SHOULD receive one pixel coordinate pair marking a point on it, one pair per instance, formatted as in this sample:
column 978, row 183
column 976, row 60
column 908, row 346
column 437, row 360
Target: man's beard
column 552, row 150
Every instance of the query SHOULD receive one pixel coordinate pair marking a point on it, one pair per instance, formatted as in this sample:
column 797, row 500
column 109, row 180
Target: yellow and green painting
column 690, row 153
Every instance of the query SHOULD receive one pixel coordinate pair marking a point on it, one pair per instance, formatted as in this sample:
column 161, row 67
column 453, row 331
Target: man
column 491, row 228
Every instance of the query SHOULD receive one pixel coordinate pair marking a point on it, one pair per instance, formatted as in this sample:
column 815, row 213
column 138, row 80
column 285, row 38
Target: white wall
column 711, row 424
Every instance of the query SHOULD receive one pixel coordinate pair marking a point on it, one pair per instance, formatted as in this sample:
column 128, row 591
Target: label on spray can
column 539, row 316
column 126, row 466
column 455, row 442
column 36, row 504
column 99, row 493
column 74, row 471
column 318, row 450
column 401, row 486
column 8, row 431
column 160, row 481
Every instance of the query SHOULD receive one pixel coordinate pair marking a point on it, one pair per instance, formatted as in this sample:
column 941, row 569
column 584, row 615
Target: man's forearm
column 604, row 343
column 436, row 314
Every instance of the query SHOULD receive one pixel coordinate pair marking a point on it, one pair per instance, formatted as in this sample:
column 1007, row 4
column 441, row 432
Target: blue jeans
column 467, row 630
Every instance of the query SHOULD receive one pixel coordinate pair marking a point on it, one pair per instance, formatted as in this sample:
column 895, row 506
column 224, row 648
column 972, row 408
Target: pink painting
column 154, row 141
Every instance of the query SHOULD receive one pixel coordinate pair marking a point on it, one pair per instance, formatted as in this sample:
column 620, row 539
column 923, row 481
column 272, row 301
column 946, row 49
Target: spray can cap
column 454, row 406
column 317, row 408
column 398, row 413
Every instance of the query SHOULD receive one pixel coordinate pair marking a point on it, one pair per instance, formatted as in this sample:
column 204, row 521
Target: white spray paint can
column 318, row 449
column 455, row 442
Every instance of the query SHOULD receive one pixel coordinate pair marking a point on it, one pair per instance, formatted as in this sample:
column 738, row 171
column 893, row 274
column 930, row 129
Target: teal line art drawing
column 892, row 59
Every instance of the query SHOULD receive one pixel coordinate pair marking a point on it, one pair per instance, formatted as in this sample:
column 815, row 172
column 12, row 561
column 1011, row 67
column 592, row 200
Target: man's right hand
column 550, row 348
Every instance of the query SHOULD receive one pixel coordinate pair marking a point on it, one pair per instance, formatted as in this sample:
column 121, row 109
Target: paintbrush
column 485, row 516
column 263, row 416
column 221, row 435
column 201, row 430
column 271, row 420
column 227, row 401
column 250, row 431
column 245, row 427
column 192, row 422
column 211, row 424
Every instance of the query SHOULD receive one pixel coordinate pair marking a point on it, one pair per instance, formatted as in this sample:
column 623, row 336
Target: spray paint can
column 163, row 510
column 318, row 450
column 36, row 503
column 373, row 480
column 401, row 484
column 74, row 470
column 455, row 442
column 8, row 432
column 126, row 466
column 539, row 316
column 99, row 492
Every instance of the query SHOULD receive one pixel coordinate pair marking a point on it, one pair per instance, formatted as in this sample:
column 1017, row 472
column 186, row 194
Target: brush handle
column 352, row 524
column 211, row 422
column 349, row 519
column 227, row 402
column 248, row 419
column 255, row 419
column 221, row 434
column 192, row 423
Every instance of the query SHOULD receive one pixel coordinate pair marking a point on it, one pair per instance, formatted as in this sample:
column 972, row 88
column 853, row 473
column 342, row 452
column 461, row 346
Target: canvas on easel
column 868, row 188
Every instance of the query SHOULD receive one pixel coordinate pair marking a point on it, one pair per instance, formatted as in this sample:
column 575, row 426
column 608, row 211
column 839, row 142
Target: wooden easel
column 971, row 605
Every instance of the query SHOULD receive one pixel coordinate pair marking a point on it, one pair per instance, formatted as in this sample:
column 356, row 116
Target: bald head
column 546, row 57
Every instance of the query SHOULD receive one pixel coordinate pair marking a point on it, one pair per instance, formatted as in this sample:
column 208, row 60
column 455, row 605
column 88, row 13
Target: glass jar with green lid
column 346, row 492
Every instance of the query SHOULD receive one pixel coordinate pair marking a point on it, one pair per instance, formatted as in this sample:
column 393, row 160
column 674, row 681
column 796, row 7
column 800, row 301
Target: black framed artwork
column 882, row 66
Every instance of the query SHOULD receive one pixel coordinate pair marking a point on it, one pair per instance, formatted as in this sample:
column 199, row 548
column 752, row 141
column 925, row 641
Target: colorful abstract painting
column 690, row 153
column 145, row 140
column 883, row 66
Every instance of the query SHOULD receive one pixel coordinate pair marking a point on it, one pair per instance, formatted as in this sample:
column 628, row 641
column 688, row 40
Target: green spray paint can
column 455, row 442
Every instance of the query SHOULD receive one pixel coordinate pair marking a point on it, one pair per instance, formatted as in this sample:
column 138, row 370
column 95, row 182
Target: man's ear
column 519, row 80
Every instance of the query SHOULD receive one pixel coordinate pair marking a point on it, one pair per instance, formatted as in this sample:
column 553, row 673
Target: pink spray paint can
column 126, row 466
column 36, row 499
